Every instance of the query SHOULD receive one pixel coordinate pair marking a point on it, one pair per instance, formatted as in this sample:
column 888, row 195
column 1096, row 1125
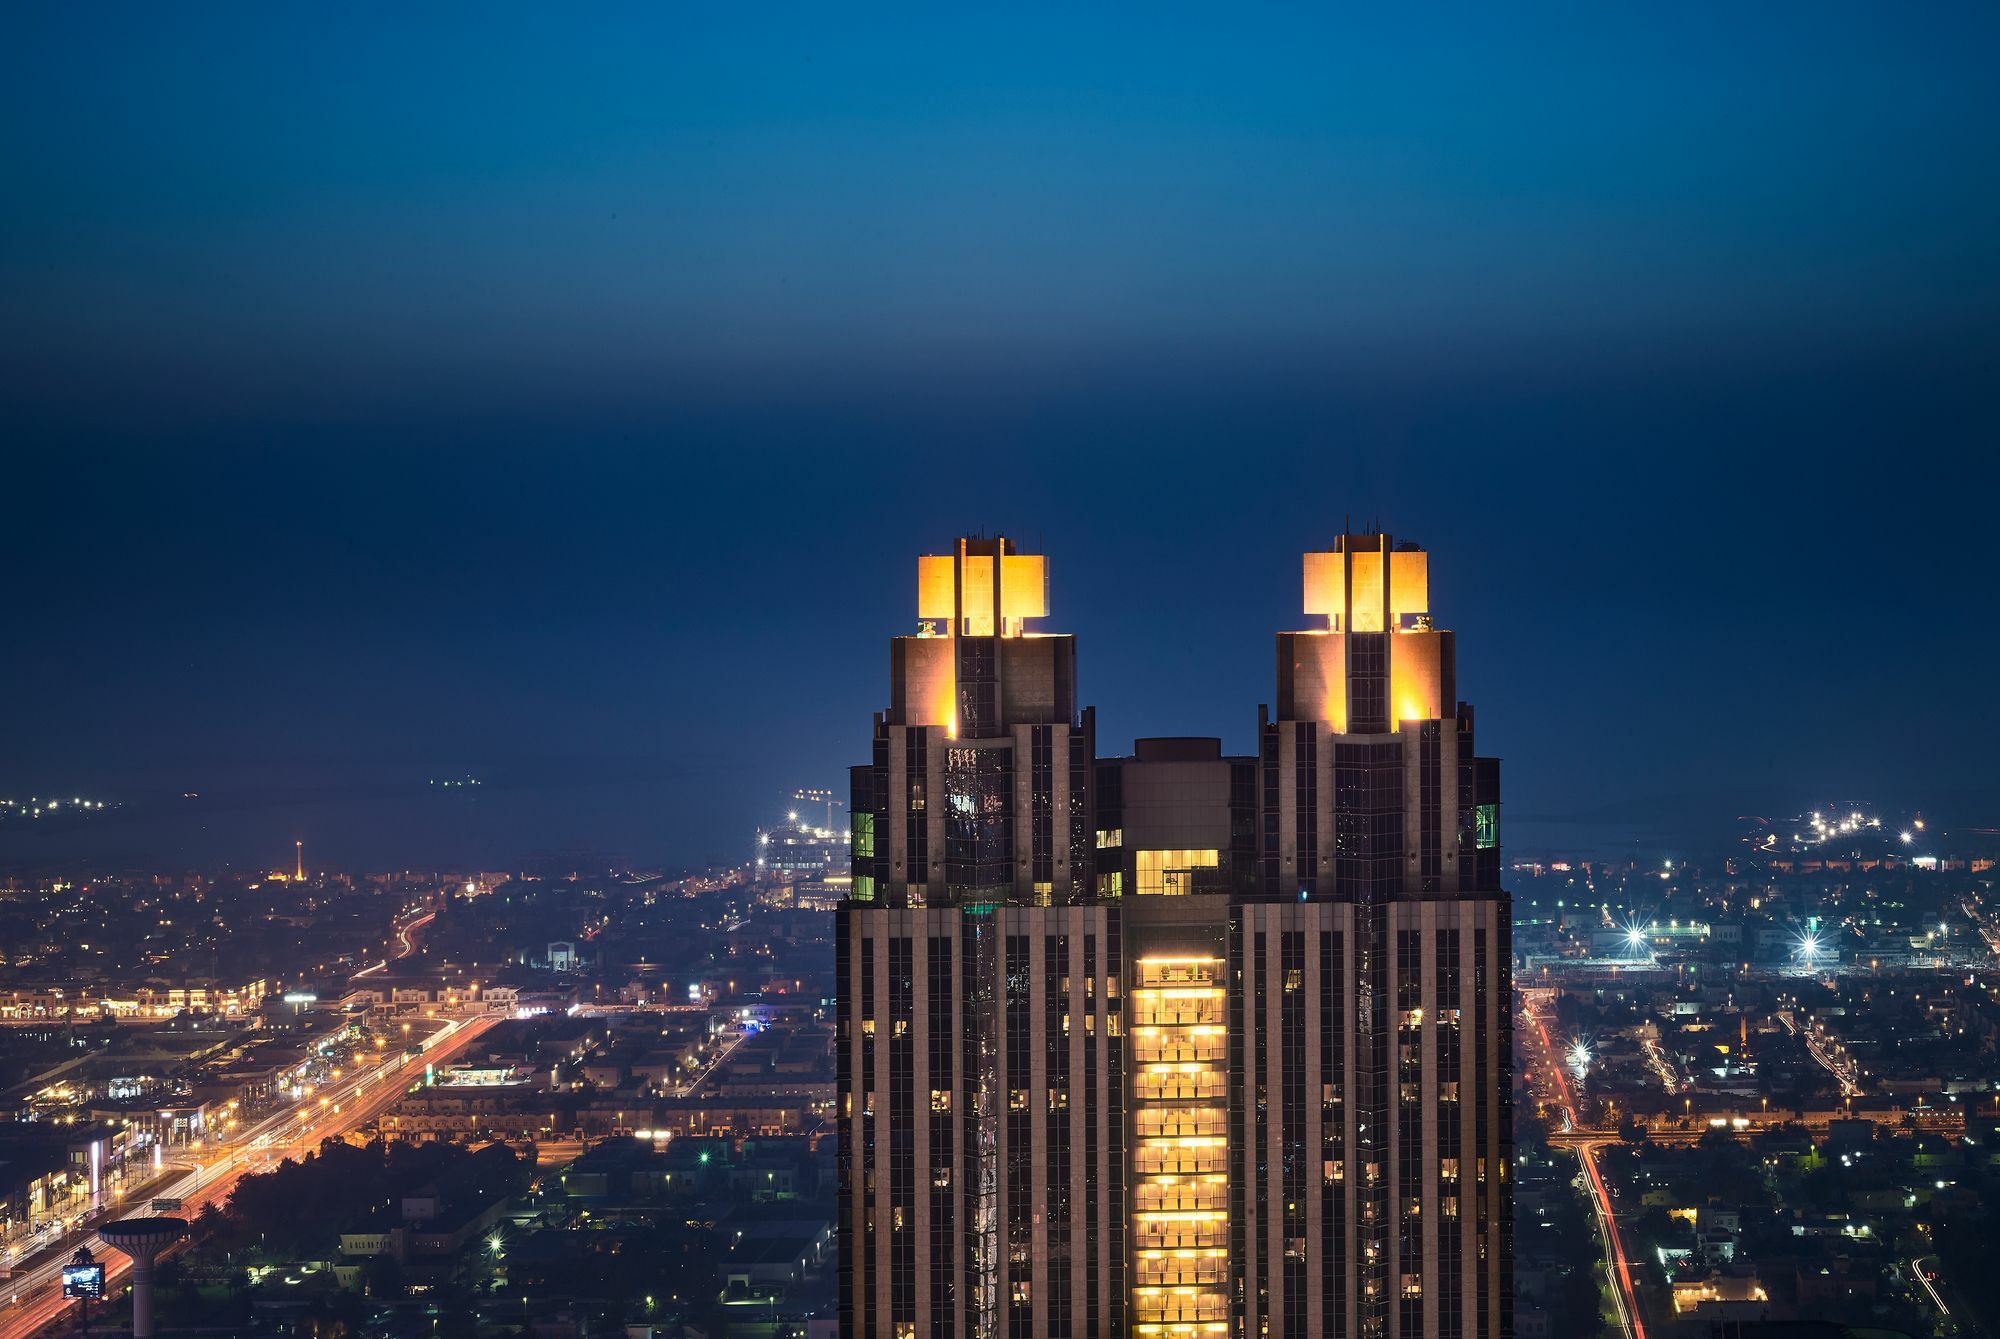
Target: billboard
column 83, row 1280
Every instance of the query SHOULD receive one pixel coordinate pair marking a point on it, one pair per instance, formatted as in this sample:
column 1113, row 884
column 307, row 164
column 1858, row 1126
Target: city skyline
column 814, row 672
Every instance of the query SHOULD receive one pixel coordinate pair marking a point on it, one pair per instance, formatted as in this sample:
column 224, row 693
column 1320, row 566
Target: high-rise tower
column 978, row 1011
column 1371, row 1130
column 1175, row 1044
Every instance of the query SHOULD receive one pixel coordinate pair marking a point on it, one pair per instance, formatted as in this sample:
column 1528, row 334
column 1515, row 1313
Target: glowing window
column 1486, row 827
column 1170, row 873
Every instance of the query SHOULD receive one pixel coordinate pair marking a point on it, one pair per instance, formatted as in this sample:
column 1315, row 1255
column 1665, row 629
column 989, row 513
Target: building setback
column 1174, row 1044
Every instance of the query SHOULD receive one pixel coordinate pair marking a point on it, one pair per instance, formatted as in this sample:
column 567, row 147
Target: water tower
column 142, row 1239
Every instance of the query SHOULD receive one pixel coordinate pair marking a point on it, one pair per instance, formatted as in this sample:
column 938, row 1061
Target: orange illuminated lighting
column 935, row 597
column 1212, row 1253
column 1364, row 610
column 1416, row 676
column 1325, row 583
column 957, row 591
column 1179, row 1201
column 1184, row 1216
column 975, row 595
column 944, row 699
column 1348, row 591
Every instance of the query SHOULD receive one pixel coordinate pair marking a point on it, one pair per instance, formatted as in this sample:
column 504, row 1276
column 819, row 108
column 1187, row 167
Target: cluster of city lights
column 1826, row 829
column 795, row 832
column 1819, row 828
column 1830, row 827
column 36, row 806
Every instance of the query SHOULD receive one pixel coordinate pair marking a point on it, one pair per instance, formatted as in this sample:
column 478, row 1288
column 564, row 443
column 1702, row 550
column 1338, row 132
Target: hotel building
column 1174, row 1044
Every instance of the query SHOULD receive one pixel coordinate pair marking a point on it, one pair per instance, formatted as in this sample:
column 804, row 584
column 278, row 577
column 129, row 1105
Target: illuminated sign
column 301, row 997
column 83, row 1280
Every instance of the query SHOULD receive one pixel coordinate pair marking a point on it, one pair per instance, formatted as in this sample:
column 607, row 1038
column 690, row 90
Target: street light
column 1579, row 1059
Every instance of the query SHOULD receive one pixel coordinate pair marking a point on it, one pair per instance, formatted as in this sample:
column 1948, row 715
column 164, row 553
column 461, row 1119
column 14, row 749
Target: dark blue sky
column 564, row 397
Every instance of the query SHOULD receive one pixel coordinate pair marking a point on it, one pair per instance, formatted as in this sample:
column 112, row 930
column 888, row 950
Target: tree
column 381, row 1278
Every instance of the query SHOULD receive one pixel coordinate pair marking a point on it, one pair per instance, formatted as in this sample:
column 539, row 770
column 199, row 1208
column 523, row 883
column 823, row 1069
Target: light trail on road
column 35, row 1296
column 1917, row 1268
column 1623, row 1295
column 1849, row 1085
column 403, row 937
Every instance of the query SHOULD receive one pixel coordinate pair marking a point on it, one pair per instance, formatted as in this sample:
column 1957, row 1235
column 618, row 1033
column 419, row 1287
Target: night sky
column 562, row 398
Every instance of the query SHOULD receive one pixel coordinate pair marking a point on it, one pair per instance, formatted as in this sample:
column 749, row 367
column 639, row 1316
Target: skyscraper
column 979, row 1064
column 1174, row 1043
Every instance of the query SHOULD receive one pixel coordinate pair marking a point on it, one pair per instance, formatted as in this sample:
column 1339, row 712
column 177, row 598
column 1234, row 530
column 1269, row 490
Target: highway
column 34, row 1298
column 1623, row 1295
column 34, row 1295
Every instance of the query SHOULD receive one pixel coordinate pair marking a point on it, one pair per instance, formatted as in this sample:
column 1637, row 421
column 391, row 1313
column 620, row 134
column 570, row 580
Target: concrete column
column 142, row 1297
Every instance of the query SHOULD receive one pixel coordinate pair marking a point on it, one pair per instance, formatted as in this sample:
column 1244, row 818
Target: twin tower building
column 1175, row 1044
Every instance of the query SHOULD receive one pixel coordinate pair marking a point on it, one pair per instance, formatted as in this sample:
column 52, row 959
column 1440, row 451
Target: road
column 1656, row 1056
column 35, row 1298
column 404, row 936
column 1842, row 1071
column 1623, row 1295
column 1916, row 1267
column 687, row 1089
